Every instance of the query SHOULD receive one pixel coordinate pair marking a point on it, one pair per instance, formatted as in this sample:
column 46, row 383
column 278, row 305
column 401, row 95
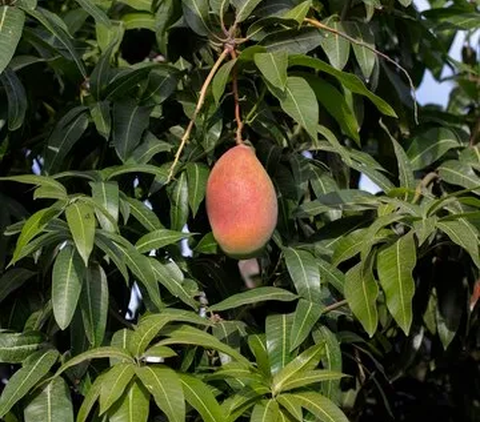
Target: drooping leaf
column 366, row 58
column 102, row 118
column 179, row 203
column 265, row 410
column 12, row 20
column 305, row 317
column 106, row 194
column 464, row 235
column 460, row 174
column 220, row 80
column 273, row 67
column 197, row 175
column 196, row 15
column 94, row 11
column 293, row 41
column 145, row 216
column 277, row 330
column 13, row 279
column 133, row 406
column 67, row 280
column 395, row 265
column 159, row 239
column 320, row 406
column 16, row 347
column 336, row 47
column 17, row 98
column 114, row 383
column 304, row 272
column 81, row 222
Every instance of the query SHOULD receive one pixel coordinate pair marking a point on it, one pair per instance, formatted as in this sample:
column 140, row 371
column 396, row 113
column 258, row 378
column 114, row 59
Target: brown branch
column 201, row 100
column 335, row 306
column 320, row 25
column 238, row 116
column 429, row 178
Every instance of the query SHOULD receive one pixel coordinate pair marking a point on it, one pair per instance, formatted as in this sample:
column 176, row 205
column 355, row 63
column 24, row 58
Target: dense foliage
column 117, row 305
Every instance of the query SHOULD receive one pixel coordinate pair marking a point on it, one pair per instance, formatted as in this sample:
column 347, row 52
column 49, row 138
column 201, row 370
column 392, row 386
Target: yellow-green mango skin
column 241, row 203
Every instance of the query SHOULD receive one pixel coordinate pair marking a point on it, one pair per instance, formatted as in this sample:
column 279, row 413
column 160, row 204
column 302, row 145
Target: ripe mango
column 241, row 203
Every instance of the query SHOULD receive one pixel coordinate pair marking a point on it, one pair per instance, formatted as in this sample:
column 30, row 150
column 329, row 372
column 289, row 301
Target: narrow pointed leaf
column 307, row 378
column 197, row 175
column 17, row 98
column 114, row 383
column 94, row 11
column 277, row 330
column 106, row 194
column 321, row 407
column 304, row 272
column 244, row 8
column 13, row 279
column 195, row 13
column 273, row 67
column 305, row 317
column 16, row 347
column 336, row 48
column 12, row 20
column 133, row 406
column 464, row 235
column 159, row 239
column 265, row 410
column 81, row 222
column 220, row 80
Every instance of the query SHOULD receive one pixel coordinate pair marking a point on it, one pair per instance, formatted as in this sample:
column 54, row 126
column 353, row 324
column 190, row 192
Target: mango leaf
column 94, row 304
column 273, row 67
column 133, row 406
column 299, row 12
column 464, row 235
column 178, row 194
column 365, row 58
column 460, row 174
column 424, row 228
column 94, row 11
column 114, row 383
column 113, row 252
column 106, row 194
column 149, row 147
column 81, row 222
column 305, row 317
column 36, row 180
column 350, row 81
column 16, row 347
column 52, row 403
column 145, row 216
column 159, row 239
column 258, row 347
column 201, row 398
column 244, row 8
column 307, row 378
column 22, row 381
column 197, row 175
column 13, row 279
column 139, row 21
column 265, row 410
column 17, row 98
column 361, row 292
column 129, row 122
column 111, row 172
column 428, row 147
column 395, row 264
column 102, row 118
column 165, row 386
column 160, row 86
column 320, row 406
column 90, row 398
column 195, row 13
column 336, row 48
column 293, row 41
column 220, row 80
column 139, row 4
column 277, row 330
column 332, row 275
column 304, row 272
column 12, row 20
column 67, row 280
column 207, row 245
column 259, row 294
column 292, row 406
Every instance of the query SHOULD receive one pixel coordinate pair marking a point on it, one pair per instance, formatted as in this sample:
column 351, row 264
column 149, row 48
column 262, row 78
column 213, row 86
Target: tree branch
column 238, row 116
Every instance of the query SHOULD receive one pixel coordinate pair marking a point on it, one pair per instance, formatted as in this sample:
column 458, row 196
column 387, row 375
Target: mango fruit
column 241, row 203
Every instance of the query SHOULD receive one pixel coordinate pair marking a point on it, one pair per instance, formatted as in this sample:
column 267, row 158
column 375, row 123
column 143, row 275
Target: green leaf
column 395, row 265
column 139, row 4
column 129, row 122
column 273, row 67
column 244, row 8
column 94, row 11
column 307, row 378
column 16, row 347
column 299, row 12
column 145, row 216
column 366, row 58
column 133, row 406
column 139, row 21
column 98, row 353
column 464, row 235
column 335, row 103
column 113, row 252
column 348, row 80
column 320, row 406
column 159, row 239
column 405, row 170
column 300, row 103
column 207, row 245
column 200, row 397
column 293, row 41
column 197, row 175
column 94, row 304
column 331, row 274
column 22, row 381
column 220, row 80
column 165, row 386
column 424, row 228
column 114, row 383
column 67, row 280
column 51, row 404
column 32, row 227
column 361, row 292
column 460, row 174
column 160, row 86
column 265, row 410
column 90, row 399
column 307, row 361
column 305, row 317
column 304, row 272
column 102, row 118
column 331, row 360
column 336, row 48
column 81, row 222
column 57, row 27
column 174, row 283
column 149, row 147
column 428, row 147
column 292, row 406
column 178, row 194
column 32, row 179
column 192, row 336
column 12, row 20
column 195, row 13
column 66, row 133
column 257, row 295
column 277, row 329
column 17, row 98
column 13, row 279
column 106, row 194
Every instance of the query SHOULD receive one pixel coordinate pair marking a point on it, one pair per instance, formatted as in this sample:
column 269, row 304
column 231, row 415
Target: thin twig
column 320, row 25
column 201, row 100
column 238, row 116
column 429, row 178
column 335, row 306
